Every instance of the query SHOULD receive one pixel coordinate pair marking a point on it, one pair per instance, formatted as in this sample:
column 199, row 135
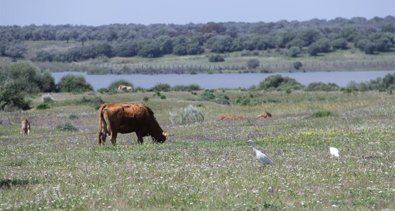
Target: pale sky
column 100, row 12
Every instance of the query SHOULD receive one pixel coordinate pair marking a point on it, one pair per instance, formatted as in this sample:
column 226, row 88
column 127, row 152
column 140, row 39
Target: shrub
column 47, row 100
column 42, row 106
column 187, row 115
column 320, row 86
column 222, row 99
column 189, row 88
column 298, row 65
column 294, row 51
column 93, row 101
column 161, row 87
column 66, row 127
column 207, row 95
column 278, row 82
column 103, row 90
column 73, row 116
column 146, row 99
column 74, row 83
column 216, row 58
column 323, row 113
column 253, row 63
column 11, row 98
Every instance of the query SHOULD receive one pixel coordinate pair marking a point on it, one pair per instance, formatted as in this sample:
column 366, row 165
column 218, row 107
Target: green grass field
column 208, row 165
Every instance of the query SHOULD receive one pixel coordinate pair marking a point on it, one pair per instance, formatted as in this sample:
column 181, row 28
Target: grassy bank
column 269, row 61
column 206, row 165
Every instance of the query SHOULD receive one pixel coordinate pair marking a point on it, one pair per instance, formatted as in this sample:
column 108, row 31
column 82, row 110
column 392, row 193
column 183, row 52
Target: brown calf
column 25, row 127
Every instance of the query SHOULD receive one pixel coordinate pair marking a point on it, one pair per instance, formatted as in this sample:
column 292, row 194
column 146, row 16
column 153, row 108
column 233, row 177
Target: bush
column 161, row 87
column 47, row 99
column 380, row 84
column 74, row 83
column 66, row 127
column 222, row 99
column 278, row 82
column 216, row 58
column 294, row 51
column 253, row 63
column 42, row 106
column 93, row 101
column 207, row 95
column 189, row 88
column 323, row 113
column 298, row 65
column 187, row 115
column 11, row 97
column 320, row 86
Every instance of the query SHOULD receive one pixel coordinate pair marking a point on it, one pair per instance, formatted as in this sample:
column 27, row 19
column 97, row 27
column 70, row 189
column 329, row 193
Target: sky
column 101, row 12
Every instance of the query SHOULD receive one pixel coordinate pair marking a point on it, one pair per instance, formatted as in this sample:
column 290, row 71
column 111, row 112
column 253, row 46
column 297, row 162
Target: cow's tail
column 102, row 125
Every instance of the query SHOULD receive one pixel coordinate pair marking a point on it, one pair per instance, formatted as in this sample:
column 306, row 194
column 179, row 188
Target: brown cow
column 117, row 118
column 264, row 115
column 25, row 127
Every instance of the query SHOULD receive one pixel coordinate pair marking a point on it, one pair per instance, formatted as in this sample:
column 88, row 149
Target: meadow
column 206, row 165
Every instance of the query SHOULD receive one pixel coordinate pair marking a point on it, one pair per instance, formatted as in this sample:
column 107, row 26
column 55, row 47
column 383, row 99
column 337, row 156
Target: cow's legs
column 102, row 137
column 139, row 138
column 114, row 138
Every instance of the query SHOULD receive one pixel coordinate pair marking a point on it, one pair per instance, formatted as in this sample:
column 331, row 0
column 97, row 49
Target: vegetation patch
column 323, row 113
column 187, row 115
column 66, row 127
column 42, row 106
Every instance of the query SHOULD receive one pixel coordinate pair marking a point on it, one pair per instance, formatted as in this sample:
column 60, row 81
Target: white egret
column 260, row 156
column 334, row 152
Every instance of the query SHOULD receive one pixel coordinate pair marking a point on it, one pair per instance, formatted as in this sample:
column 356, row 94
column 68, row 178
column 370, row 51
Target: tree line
column 127, row 40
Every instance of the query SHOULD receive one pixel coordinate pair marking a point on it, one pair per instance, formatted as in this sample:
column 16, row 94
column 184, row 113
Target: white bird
column 260, row 156
column 334, row 152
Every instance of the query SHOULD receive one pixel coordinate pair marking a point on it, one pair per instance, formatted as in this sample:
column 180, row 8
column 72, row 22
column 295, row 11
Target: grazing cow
column 25, row 127
column 122, row 118
column 124, row 88
column 230, row 117
column 264, row 115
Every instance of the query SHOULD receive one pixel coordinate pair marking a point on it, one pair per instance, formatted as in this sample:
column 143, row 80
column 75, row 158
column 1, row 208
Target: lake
column 225, row 80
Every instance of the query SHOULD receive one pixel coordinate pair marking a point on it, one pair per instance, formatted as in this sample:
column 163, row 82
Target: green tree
column 19, row 79
column 313, row 49
column 74, row 83
column 294, row 51
column 298, row 65
column 15, row 50
column 340, row 43
column 12, row 97
column 216, row 58
column 253, row 63
column 162, row 87
column 220, row 43
column 278, row 82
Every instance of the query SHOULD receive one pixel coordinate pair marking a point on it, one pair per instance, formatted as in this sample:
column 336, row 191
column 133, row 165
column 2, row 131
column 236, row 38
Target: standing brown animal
column 117, row 118
column 25, row 127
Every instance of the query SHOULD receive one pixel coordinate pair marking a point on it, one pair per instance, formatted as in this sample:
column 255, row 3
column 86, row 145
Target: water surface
column 225, row 80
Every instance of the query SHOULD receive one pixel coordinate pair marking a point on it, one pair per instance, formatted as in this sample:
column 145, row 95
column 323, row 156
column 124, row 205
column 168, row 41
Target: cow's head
column 162, row 137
